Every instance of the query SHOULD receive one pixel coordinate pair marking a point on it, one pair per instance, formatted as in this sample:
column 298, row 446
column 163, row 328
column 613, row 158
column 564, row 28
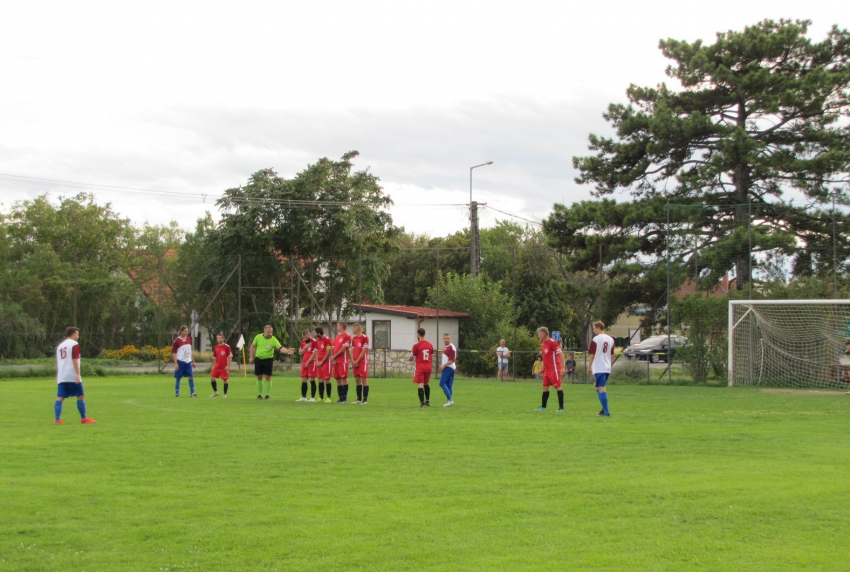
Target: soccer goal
column 789, row 343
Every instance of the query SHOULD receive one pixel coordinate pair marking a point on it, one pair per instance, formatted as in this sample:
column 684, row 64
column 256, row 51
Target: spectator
column 538, row 365
column 503, row 354
column 571, row 365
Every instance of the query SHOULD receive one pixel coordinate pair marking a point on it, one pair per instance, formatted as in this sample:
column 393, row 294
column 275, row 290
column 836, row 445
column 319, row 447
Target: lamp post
column 475, row 244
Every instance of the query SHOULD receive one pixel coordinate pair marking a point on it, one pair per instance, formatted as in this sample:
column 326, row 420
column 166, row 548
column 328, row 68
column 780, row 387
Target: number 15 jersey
column 423, row 351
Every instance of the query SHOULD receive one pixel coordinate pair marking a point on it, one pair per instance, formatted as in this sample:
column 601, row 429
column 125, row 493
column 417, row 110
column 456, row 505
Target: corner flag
column 240, row 345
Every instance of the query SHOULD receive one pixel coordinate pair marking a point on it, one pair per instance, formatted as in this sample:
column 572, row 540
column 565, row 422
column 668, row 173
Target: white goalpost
column 789, row 343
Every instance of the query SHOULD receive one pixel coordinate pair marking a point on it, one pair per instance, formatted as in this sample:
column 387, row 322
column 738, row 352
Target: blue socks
column 57, row 407
column 603, row 399
column 81, row 407
column 192, row 385
column 177, row 386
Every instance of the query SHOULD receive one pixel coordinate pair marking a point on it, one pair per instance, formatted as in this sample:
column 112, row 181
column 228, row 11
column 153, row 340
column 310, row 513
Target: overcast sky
column 193, row 97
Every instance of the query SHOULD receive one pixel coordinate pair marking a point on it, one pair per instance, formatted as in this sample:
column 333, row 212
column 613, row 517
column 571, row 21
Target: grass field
column 679, row 478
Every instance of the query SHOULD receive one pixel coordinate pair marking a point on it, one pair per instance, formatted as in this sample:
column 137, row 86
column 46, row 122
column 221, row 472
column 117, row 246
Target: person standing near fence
column 537, row 367
column 221, row 368
column 601, row 357
column 360, row 363
column 553, row 367
column 184, row 361
column 422, row 353
column 503, row 354
column 447, row 370
column 69, row 382
column 308, row 366
column 571, row 365
column 263, row 349
column 323, row 365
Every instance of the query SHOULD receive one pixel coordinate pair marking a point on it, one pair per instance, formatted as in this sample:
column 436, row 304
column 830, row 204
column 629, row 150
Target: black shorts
column 263, row 366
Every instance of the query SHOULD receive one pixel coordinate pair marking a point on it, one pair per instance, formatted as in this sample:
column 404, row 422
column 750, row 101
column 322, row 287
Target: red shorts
column 309, row 370
column 552, row 378
column 219, row 373
column 341, row 370
column 324, row 371
column 361, row 370
column 422, row 377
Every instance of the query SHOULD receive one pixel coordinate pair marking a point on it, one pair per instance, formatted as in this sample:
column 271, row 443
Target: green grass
column 680, row 478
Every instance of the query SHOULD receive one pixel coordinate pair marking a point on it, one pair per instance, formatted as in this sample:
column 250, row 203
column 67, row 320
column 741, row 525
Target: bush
column 628, row 371
column 131, row 353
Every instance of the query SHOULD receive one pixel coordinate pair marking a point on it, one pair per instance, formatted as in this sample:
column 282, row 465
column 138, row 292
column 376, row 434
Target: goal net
column 789, row 343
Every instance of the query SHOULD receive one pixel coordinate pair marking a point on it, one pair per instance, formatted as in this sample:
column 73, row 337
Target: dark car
column 655, row 348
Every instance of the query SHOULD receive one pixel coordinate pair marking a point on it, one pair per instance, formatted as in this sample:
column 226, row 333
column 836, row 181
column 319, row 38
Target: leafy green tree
column 757, row 120
column 413, row 268
column 309, row 234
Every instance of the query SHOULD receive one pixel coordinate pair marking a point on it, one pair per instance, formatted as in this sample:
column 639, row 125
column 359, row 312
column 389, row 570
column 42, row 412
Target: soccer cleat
column 267, row 397
column 421, row 404
column 427, row 403
column 59, row 422
column 540, row 409
column 87, row 421
column 603, row 414
column 215, row 394
column 177, row 395
column 301, row 399
column 312, row 400
column 449, row 403
column 559, row 410
column 363, row 402
column 225, row 395
column 194, row 395
column 358, row 402
column 328, row 400
column 259, row 397
column 340, row 400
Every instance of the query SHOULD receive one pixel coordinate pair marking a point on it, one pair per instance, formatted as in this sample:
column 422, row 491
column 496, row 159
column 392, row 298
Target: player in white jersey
column 68, row 380
column 601, row 357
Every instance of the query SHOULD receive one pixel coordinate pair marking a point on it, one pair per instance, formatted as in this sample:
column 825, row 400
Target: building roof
column 410, row 311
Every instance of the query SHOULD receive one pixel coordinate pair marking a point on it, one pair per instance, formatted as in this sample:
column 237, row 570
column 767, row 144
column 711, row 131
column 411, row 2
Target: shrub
column 628, row 371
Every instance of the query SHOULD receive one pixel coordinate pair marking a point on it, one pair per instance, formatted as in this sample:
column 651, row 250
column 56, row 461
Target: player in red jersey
column 360, row 363
column 221, row 368
column 342, row 343
column 308, row 366
column 321, row 345
column 422, row 352
column 553, row 367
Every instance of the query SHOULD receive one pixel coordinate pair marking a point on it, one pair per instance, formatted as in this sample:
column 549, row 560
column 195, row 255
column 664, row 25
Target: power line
column 513, row 215
column 40, row 183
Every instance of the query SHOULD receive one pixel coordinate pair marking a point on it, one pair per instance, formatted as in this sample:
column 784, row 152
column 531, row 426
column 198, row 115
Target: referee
column 262, row 356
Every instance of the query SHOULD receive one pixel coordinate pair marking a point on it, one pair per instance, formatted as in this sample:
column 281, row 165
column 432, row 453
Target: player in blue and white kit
column 68, row 380
column 447, row 370
column 601, row 357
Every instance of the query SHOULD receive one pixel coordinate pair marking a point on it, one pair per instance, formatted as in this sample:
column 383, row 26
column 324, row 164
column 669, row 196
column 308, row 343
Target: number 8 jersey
column 602, row 348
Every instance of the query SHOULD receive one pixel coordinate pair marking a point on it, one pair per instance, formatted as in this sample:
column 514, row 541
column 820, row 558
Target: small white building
column 394, row 327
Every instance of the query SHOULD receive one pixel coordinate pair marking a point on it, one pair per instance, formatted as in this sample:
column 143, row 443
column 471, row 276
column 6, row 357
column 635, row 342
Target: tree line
column 731, row 172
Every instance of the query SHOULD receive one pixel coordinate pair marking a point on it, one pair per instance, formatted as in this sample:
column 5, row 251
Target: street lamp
column 470, row 177
column 475, row 243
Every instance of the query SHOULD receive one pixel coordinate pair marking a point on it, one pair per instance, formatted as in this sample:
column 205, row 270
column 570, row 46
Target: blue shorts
column 184, row 369
column 602, row 379
column 69, row 389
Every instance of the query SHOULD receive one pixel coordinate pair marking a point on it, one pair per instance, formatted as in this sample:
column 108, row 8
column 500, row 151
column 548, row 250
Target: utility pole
column 475, row 242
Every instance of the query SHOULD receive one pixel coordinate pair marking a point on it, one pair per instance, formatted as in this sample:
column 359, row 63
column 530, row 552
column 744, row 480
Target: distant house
column 394, row 327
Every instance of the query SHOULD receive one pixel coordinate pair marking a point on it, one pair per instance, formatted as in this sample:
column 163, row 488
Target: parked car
column 655, row 348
